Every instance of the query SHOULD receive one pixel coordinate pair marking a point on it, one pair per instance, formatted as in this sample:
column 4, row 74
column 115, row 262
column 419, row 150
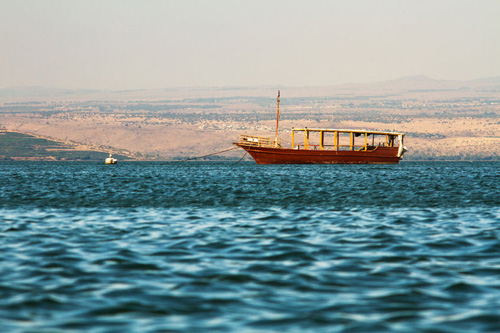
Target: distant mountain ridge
column 407, row 83
column 35, row 91
column 427, row 83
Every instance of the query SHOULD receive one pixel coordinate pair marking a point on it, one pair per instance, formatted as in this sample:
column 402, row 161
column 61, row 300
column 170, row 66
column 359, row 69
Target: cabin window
column 314, row 140
column 329, row 141
column 391, row 140
column 344, row 142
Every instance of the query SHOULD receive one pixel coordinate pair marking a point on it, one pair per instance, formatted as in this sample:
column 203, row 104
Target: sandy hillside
column 441, row 118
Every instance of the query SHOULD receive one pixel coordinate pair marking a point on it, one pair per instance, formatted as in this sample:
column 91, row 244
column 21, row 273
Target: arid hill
column 443, row 119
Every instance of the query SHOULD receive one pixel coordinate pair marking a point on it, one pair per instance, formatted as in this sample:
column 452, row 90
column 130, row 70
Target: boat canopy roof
column 361, row 131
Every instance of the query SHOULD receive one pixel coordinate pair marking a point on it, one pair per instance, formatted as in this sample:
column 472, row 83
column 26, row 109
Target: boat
column 332, row 146
column 110, row 160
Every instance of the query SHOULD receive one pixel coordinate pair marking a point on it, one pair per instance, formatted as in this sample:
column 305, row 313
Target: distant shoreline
column 225, row 161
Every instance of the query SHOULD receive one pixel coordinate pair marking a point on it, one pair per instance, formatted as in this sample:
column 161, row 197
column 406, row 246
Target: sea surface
column 240, row 247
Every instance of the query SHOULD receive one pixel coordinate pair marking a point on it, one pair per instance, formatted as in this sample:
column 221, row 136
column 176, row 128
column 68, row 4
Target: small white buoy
column 111, row 160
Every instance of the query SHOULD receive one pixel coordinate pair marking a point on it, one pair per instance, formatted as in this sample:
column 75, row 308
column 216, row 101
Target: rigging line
column 219, row 152
column 245, row 154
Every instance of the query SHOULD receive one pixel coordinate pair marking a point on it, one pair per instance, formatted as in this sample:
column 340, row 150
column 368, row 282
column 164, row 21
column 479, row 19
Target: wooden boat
column 375, row 147
column 110, row 160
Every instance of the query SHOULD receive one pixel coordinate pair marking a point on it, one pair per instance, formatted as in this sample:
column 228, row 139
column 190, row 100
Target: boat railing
column 258, row 141
column 337, row 147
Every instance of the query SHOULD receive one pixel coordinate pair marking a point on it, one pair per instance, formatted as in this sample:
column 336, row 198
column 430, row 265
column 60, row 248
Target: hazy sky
column 120, row 44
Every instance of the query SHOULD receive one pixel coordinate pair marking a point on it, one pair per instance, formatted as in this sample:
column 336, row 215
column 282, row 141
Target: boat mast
column 277, row 120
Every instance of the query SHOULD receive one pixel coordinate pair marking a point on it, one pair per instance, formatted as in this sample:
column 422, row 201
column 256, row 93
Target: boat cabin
column 330, row 139
column 346, row 139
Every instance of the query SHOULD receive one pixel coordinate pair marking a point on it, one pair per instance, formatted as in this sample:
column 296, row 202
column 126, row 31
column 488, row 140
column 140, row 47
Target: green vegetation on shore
column 19, row 146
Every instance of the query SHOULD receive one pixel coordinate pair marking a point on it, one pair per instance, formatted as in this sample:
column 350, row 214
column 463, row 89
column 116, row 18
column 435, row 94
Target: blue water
column 231, row 247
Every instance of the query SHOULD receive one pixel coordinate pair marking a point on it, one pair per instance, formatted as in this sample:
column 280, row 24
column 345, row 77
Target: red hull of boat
column 266, row 155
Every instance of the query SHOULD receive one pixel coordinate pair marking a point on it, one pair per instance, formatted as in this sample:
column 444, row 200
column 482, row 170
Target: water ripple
column 329, row 256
